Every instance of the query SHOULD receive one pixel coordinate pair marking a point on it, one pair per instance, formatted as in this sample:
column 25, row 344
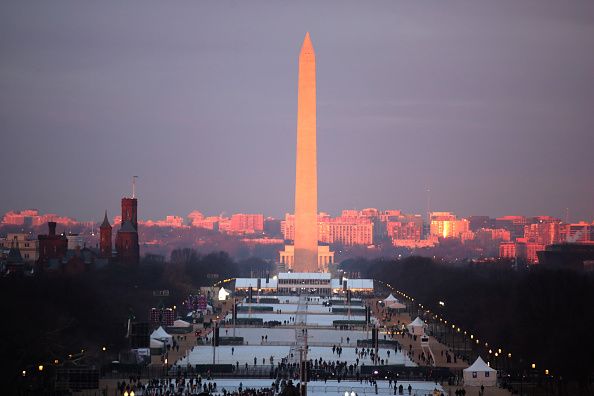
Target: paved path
column 414, row 348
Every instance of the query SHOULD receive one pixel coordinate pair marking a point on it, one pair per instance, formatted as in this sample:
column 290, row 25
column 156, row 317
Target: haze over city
column 490, row 105
column 297, row 199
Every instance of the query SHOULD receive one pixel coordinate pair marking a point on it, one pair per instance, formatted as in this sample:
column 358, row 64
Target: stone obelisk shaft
column 306, row 182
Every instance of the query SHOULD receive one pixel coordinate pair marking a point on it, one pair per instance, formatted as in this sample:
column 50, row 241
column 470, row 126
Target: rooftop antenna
column 566, row 215
column 134, row 186
column 428, row 204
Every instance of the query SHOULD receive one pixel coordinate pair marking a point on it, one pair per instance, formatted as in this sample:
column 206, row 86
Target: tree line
column 542, row 316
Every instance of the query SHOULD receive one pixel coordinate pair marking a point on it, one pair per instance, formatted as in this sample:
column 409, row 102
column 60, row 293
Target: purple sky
column 492, row 105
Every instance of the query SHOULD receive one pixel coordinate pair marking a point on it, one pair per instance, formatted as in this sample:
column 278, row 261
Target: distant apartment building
column 198, row 220
column 447, row 225
column 480, row 222
column 28, row 247
column 521, row 249
column 347, row 233
column 195, row 217
column 512, row 250
column 543, row 233
column 169, row 221
column 247, row 223
column 493, row 234
column 577, row 232
column 404, row 227
column 467, row 236
column 224, row 224
column 514, row 224
column 348, row 229
column 32, row 218
column 532, row 249
column 415, row 244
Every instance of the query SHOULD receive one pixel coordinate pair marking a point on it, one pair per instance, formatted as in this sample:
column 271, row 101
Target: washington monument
column 305, row 255
column 306, row 178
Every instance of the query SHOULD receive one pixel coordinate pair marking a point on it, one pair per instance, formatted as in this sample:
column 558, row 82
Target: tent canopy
column 181, row 323
column 417, row 326
column 223, row 294
column 160, row 334
column 479, row 365
column 390, row 298
column 418, row 322
column 156, row 343
column 479, row 374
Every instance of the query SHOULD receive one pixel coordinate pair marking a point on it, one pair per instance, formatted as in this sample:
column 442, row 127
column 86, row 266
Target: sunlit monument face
column 306, row 181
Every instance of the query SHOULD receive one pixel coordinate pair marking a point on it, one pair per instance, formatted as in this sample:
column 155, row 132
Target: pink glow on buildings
column 31, row 217
column 242, row 223
column 169, row 221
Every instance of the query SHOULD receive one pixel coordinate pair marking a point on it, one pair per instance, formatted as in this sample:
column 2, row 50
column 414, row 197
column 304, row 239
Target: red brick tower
column 130, row 211
column 127, row 244
column 105, row 247
column 127, row 237
column 51, row 246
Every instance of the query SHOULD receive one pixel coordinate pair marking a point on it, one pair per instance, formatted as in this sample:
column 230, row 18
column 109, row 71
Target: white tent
column 393, row 303
column 390, row 298
column 223, row 294
column 156, row 344
column 479, row 373
column 416, row 327
column 161, row 335
column 181, row 323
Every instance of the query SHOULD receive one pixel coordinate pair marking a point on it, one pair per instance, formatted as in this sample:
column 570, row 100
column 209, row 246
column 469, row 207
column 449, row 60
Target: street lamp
column 40, row 367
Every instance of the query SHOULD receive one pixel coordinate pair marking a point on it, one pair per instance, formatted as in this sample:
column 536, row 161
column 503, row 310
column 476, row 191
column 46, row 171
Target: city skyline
column 204, row 113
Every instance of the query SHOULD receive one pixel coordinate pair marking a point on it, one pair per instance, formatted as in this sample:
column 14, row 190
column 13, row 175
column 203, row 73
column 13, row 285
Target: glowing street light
column 40, row 367
column 533, row 365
